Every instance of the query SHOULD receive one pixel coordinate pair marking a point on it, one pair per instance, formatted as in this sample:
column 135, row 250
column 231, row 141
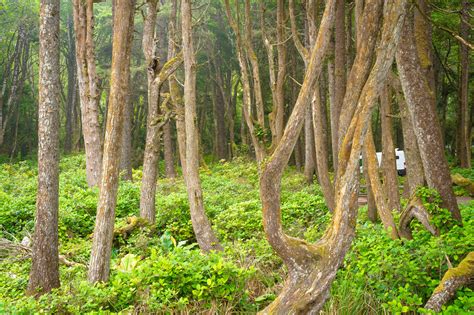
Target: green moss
column 464, row 269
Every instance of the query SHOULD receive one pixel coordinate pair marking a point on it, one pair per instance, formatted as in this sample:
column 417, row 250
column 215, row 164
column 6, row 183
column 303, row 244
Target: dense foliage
column 160, row 269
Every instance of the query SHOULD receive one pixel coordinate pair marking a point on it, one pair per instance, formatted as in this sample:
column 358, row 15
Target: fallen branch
column 415, row 209
column 463, row 182
column 133, row 223
column 22, row 250
column 452, row 280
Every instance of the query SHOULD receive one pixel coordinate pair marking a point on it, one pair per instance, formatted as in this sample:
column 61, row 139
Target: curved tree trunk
column 44, row 274
column 99, row 266
column 312, row 267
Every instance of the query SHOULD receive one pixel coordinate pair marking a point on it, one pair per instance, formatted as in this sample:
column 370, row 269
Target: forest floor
column 159, row 269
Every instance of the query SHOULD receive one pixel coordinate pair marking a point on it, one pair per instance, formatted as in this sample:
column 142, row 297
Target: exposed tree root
column 453, row 279
column 415, row 209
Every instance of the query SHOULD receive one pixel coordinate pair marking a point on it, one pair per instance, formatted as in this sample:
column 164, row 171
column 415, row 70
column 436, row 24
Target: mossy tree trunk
column 312, row 267
column 99, row 266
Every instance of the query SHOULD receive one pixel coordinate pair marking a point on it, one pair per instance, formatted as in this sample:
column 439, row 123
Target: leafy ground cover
column 159, row 269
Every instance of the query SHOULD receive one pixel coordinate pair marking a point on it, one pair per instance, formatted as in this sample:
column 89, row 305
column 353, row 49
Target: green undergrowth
column 159, row 269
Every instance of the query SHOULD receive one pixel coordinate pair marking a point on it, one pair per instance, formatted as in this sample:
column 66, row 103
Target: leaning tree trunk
column 99, row 266
column 313, row 267
column 453, row 279
column 421, row 106
column 44, row 274
column 202, row 227
column 88, row 88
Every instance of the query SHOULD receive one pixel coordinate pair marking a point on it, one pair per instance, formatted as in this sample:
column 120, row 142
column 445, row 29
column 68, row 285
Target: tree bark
column 99, row 266
column 389, row 164
column 44, row 274
column 320, row 141
column 464, row 127
column 71, row 86
column 421, row 106
column 362, row 63
column 383, row 209
column 339, row 69
column 242, row 55
column 126, row 154
column 170, row 169
column 313, row 267
column 453, row 279
column 202, row 228
column 88, row 88
column 414, row 165
column 156, row 77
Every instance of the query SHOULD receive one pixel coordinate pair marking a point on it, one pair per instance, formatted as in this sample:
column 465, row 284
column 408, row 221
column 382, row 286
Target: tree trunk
column 202, row 228
column 126, row 155
column 453, row 279
column 389, row 164
column 220, row 130
column 71, row 86
column 119, row 88
column 414, row 165
column 155, row 120
column 366, row 28
column 339, row 69
column 421, row 106
column 44, row 274
column 464, row 128
column 383, row 209
column 170, row 170
column 371, row 206
column 309, row 149
column 243, row 51
column 320, row 141
column 88, row 88
column 313, row 267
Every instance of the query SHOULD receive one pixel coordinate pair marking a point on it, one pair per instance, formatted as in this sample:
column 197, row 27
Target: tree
column 464, row 115
column 421, row 107
column 156, row 76
column 88, row 88
column 119, row 85
column 44, row 274
column 202, row 228
column 312, row 267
